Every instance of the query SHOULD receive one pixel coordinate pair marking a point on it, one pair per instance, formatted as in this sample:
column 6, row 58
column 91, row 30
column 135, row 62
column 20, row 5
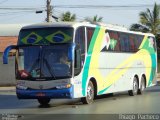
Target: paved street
column 149, row 102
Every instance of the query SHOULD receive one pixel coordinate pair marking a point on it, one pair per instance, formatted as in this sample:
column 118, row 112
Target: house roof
column 6, row 41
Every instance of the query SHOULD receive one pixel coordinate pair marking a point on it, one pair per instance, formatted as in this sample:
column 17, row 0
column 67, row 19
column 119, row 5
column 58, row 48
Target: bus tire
column 90, row 94
column 43, row 101
column 142, row 86
column 134, row 90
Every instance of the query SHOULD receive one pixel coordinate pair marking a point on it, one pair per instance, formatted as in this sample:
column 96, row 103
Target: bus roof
column 58, row 24
column 88, row 24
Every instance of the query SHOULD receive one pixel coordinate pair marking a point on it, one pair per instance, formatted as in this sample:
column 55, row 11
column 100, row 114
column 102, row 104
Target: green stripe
column 88, row 60
column 153, row 69
column 102, row 91
column 152, row 54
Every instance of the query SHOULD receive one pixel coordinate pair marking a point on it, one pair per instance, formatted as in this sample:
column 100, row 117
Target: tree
column 150, row 19
column 94, row 19
column 139, row 28
column 67, row 16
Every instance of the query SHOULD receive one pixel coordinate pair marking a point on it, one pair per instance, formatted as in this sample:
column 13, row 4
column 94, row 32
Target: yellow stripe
column 116, row 73
column 143, row 42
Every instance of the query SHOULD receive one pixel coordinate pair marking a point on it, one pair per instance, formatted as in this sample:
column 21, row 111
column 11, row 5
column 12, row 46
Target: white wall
column 10, row 29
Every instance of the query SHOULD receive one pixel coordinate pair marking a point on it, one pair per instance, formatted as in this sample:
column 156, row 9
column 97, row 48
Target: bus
column 99, row 59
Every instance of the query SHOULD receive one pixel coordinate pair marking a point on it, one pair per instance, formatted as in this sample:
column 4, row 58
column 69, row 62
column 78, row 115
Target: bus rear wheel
column 142, row 86
column 43, row 101
column 134, row 90
column 90, row 94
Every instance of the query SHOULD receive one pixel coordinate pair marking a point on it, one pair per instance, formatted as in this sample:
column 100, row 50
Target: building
column 9, row 35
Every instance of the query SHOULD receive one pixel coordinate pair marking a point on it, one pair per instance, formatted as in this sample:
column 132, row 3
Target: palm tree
column 139, row 28
column 94, row 19
column 150, row 19
column 67, row 16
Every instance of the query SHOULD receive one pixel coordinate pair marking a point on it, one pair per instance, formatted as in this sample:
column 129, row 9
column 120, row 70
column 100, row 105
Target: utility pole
column 49, row 11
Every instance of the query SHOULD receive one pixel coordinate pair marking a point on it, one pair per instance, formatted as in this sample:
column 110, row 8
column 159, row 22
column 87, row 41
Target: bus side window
column 80, row 49
column 80, row 39
column 132, row 44
column 139, row 39
column 90, row 32
column 114, row 39
column 124, row 42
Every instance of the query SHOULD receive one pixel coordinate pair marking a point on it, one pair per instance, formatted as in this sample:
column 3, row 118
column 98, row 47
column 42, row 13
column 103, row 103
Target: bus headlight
column 21, row 87
column 63, row 86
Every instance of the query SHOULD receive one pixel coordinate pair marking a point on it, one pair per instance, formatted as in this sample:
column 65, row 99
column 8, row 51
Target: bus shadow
column 155, row 88
column 104, row 96
column 12, row 102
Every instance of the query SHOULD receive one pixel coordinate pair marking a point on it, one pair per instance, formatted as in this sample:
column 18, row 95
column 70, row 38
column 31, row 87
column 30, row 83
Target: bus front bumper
column 51, row 93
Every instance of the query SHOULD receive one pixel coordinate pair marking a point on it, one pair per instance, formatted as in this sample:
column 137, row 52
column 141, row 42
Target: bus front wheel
column 90, row 94
column 44, row 101
column 134, row 90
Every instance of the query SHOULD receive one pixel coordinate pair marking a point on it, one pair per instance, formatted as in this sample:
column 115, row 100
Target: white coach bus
column 82, row 60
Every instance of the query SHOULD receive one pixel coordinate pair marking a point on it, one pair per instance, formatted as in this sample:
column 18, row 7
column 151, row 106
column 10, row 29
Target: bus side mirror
column 6, row 53
column 71, row 52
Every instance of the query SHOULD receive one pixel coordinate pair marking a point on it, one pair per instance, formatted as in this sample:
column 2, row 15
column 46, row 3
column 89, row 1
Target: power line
column 13, row 17
column 18, row 8
column 76, row 6
column 48, row 9
column 13, row 13
column 5, row 6
column 102, row 6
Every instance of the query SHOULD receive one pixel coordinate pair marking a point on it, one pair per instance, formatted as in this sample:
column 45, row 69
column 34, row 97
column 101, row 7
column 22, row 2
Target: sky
column 124, row 16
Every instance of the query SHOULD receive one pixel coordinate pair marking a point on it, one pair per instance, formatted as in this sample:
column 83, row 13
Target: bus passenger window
column 124, row 41
column 90, row 32
column 114, row 41
column 132, row 43
column 139, row 39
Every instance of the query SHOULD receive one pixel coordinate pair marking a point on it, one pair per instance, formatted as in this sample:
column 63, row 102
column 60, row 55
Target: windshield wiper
column 49, row 68
column 37, row 62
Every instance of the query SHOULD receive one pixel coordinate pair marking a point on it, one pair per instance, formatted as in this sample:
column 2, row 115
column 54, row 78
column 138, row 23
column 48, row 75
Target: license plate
column 40, row 94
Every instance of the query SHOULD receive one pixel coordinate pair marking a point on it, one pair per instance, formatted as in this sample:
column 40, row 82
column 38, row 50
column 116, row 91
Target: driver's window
column 80, row 46
column 80, row 39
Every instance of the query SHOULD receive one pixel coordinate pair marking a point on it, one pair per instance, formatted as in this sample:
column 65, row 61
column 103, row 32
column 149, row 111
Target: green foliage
column 94, row 19
column 139, row 28
column 149, row 19
column 67, row 16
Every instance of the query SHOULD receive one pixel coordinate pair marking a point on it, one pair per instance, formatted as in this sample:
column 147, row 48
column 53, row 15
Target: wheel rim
column 135, row 86
column 142, row 85
column 90, row 92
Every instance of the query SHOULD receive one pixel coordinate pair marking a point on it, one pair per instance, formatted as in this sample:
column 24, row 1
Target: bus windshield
column 43, row 62
column 45, row 36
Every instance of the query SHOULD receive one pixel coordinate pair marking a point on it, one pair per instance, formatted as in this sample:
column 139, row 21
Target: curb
column 2, row 89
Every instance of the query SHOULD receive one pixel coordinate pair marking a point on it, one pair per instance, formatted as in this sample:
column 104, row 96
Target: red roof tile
column 6, row 41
